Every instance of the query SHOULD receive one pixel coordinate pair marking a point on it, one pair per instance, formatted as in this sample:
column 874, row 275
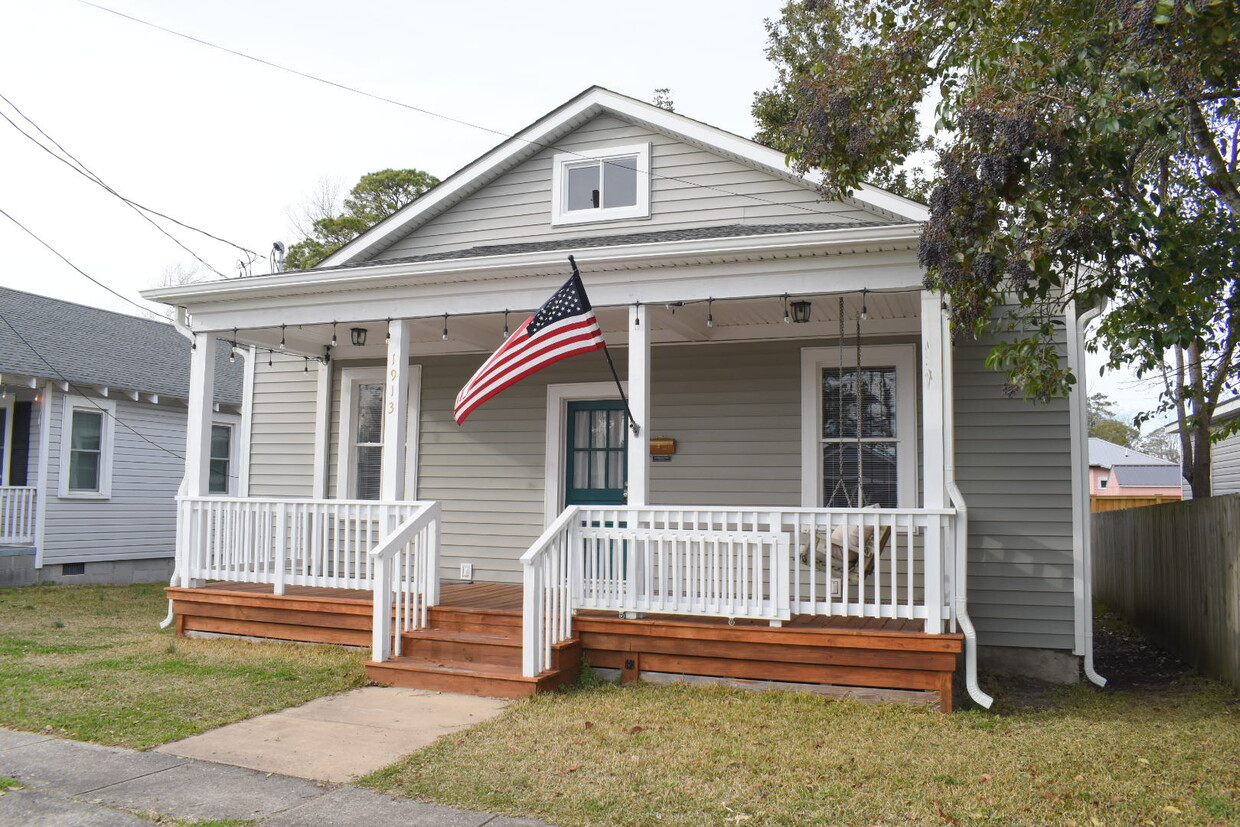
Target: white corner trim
column 250, row 354
column 106, row 408
column 561, row 162
column 558, row 397
column 350, row 378
column 45, row 453
column 904, row 359
column 322, row 429
column 6, row 438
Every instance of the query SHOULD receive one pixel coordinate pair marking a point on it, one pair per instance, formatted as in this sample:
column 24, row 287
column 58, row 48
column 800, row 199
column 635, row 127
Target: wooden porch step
column 481, row 621
column 489, row 680
column 469, row 648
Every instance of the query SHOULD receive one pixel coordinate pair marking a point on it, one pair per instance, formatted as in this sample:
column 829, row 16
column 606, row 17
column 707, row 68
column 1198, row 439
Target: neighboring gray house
column 92, row 432
column 1225, row 454
column 718, row 277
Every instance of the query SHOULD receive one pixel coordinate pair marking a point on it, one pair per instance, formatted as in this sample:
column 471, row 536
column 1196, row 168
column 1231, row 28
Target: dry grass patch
column 682, row 755
column 90, row 662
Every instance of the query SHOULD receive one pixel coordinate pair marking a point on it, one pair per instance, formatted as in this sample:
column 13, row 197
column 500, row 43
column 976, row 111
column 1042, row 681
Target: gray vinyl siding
column 1225, row 467
column 138, row 520
column 690, row 187
column 1014, row 467
column 282, row 430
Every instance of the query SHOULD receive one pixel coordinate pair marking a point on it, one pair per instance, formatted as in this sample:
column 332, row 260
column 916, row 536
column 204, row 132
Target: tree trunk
column 1202, row 416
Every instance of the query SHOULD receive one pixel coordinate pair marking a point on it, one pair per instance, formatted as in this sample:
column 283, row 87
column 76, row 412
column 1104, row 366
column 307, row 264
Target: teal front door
column 597, row 453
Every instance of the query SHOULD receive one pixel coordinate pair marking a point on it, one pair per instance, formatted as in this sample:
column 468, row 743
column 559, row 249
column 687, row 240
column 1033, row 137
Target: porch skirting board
column 863, row 694
column 472, row 644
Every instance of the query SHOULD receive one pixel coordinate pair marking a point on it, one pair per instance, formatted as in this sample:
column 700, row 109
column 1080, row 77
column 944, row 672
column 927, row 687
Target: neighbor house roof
column 63, row 341
column 1166, row 475
column 1104, row 454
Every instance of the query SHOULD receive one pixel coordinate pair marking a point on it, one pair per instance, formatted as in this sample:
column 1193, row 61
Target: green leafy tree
column 376, row 196
column 1087, row 151
column 1112, row 430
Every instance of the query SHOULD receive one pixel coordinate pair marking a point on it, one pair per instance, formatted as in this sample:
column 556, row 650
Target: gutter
column 1077, row 344
column 960, row 575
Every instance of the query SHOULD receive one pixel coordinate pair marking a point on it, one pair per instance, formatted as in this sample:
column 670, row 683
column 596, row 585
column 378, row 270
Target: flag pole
column 637, row 429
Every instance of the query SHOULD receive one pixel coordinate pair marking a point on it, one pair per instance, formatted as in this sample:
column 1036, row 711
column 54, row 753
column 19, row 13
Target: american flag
column 564, row 326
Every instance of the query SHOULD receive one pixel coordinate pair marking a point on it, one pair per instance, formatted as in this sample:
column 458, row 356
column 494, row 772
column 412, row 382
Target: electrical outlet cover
column 467, row 571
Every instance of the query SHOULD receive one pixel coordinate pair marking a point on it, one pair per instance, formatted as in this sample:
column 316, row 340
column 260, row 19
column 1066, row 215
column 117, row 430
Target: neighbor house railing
column 18, row 514
column 764, row 564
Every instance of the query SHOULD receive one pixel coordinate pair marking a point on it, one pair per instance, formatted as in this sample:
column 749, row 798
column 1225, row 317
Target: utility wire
column 77, row 166
column 61, row 256
column 423, row 111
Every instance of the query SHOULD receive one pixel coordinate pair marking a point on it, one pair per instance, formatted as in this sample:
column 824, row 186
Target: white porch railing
column 736, row 563
column 18, row 514
column 406, row 584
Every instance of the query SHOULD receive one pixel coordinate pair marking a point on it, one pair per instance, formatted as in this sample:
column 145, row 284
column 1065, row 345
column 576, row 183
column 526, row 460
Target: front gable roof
column 551, row 128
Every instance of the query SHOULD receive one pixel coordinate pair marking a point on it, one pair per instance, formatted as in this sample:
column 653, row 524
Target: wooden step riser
column 490, row 687
column 511, row 632
column 438, row 615
column 468, row 652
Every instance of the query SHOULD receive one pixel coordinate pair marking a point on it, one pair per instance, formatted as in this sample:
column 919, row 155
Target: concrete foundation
column 1053, row 665
column 17, row 569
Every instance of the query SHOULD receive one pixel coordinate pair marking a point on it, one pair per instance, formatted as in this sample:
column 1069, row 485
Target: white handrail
column 406, row 579
column 547, row 605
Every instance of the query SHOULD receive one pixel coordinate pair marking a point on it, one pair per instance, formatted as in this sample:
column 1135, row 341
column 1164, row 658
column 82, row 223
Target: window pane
column 615, row 432
column 369, row 413
column 221, row 437
column 583, row 187
column 87, row 431
column 620, row 182
column 598, row 429
column 581, row 468
column 615, row 469
column 581, row 430
column 369, row 463
column 598, row 469
column 83, row 470
column 218, row 482
column 878, row 403
column 841, row 462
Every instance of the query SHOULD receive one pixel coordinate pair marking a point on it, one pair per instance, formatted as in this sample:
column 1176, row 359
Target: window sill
column 83, row 495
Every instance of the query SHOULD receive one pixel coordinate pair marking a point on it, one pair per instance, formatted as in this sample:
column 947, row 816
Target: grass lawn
column 681, row 755
column 91, row 663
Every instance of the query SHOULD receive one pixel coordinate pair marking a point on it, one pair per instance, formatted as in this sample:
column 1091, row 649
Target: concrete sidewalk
column 71, row 784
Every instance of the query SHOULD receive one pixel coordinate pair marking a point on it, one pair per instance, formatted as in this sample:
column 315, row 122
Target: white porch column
column 395, row 411
column 201, row 406
column 639, row 404
column 934, row 444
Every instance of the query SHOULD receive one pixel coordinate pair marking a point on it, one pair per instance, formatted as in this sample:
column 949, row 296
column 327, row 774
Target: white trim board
column 7, row 405
column 904, row 359
column 558, row 397
column 349, row 379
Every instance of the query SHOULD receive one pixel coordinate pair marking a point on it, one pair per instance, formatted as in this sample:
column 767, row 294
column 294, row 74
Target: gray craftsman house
column 92, row 435
column 817, row 487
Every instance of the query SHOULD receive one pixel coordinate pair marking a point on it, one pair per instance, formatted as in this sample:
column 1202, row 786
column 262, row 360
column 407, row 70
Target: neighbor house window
column 601, row 185
column 853, row 457
column 86, row 448
column 1102, row 482
column 221, row 459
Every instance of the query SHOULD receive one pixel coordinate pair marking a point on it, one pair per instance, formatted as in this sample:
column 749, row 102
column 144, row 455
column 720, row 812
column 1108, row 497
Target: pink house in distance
column 1118, row 471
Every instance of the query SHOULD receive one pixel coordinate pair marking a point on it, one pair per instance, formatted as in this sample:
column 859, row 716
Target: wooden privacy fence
column 1174, row 572
column 1110, row 503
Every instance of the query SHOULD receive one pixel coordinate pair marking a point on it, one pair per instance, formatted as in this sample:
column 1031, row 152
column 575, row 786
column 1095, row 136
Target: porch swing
column 849, row 547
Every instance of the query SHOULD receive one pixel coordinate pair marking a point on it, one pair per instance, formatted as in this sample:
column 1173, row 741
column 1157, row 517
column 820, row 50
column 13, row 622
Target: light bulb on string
column 505, row 324
column 333, row 334
column 865, row 312
column 282, row 344
column 787, row 318
column 710, row 315
column 388, row 337
column 445, row 327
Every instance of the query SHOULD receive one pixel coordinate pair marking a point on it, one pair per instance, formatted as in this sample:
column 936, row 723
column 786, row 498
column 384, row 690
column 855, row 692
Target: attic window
column 601, row 185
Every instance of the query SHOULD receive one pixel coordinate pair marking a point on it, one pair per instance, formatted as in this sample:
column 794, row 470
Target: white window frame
column 107, row 409
column 350, row 378
column 901, row 357
column 1102, row 482
column 233, row 422
column 560, row 215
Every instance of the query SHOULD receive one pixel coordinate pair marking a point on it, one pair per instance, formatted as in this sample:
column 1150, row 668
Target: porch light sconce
column 357, row 335
column 800, row 312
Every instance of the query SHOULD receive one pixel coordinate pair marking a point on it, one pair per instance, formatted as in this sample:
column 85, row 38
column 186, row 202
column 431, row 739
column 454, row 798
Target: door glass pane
column 615, row 433
column 87, row 431
column 583, row 187
column 370, row 413
column 581, row 468
column 369, row 463
column 615, row 469
column 598, row 470
column 581, row 430
column 620, row 182
column 598, row 429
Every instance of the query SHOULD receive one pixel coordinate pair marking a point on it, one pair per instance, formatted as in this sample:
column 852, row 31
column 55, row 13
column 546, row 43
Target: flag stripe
column 564, row 326
column 582, row 336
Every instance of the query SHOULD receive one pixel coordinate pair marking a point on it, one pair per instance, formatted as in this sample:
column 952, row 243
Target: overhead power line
column 431, row 113
column 77, row 166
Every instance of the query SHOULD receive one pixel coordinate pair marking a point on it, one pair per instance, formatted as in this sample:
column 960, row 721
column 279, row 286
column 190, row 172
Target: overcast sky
column 230, row 146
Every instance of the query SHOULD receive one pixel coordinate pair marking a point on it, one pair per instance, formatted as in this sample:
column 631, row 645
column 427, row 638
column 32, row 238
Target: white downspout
column 960, row 578
column 180, row 322
column 1080, row 472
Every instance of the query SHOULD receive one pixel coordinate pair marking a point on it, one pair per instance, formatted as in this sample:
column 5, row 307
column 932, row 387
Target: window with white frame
column 86, row 448
column 221, row 469
column 1102, row 482
column 866, row 454
column 601, row 185
column 361, row 437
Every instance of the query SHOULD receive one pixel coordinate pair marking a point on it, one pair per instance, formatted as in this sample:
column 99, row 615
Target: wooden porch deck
column 473, row 642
